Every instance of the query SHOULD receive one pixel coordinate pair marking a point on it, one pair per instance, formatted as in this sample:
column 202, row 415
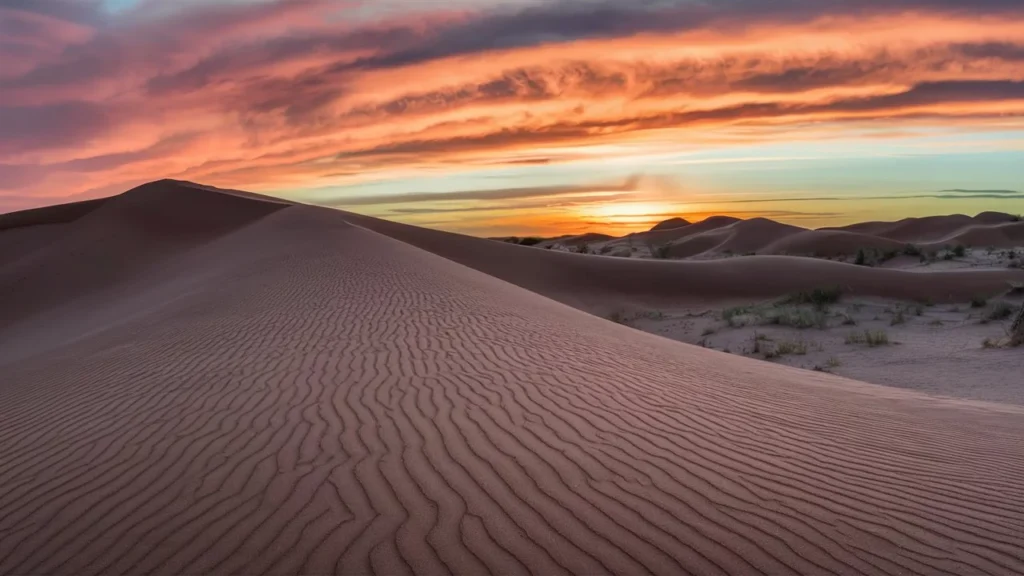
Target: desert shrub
column 1000, row 311
column 912, row 250
column 819, row 297
column 990, row 343
column 862, row 258
column 979, row 302
column 796, row 318
column 870, row 337
column 1017, row 218
column 959, row 250
column 734, row 317
column 785, row 348
column 619, row 317
column 947, row 256
column 530, row 241
column 898, row 317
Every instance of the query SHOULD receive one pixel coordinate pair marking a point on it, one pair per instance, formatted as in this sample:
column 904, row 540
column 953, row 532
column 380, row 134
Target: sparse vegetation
column 898, row 317
column 796, row 318
column 619, row 317
column 831, row 364
column 872, row 338
column 959, row 251
column 912, row 250
column 785, row 348
column 530, row 241
column 821, row 298
column 708, row 331
column 990, row 343
column 979, row 302
column 1000, row 311
column 733, row 316
column 862, row 258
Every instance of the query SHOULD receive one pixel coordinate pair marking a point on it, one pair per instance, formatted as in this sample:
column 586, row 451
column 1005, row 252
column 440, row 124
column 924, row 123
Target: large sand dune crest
column 293, row 393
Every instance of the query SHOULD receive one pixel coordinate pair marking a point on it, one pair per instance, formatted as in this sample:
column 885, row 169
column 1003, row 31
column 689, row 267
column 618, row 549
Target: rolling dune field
column 265, row 388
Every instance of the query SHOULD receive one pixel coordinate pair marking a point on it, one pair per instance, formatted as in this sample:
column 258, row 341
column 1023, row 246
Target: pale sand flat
column 285, row 392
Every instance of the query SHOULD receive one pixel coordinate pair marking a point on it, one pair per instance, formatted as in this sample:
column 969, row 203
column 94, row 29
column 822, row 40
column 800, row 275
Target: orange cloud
column 287, row 94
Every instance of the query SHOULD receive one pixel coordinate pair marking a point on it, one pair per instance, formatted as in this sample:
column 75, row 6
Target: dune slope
column 302, row 395
column 598, row 284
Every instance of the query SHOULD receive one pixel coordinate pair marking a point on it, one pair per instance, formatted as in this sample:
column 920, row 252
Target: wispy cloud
column 301, row 94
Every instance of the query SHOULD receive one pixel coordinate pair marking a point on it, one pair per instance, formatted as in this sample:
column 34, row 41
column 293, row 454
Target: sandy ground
column 948, row 350
column 275, row 389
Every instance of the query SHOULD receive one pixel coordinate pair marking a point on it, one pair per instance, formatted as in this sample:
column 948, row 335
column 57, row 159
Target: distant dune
column 720, row 236
column 829, row 243
column 202, row 381
column 986, row 229
column 597, row 284
column 670, row 224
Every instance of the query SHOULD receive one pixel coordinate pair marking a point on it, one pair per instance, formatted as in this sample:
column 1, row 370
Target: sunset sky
column 502, row 117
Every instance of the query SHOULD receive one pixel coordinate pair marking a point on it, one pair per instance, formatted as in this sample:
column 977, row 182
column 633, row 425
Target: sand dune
column 660, row 236
column 598, row 284
column 829, row 243
column 118, row 240
column 670, row 224
column 723, row 235
column 288, row 392
column 985, row 229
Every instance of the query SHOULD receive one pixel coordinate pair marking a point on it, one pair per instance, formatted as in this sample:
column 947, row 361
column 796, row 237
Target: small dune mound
column 670, row 224
column 1006, row 235
column 829, row 243
column 996, row 218
column 735, row 237
column 583, row 239
column 749, row 236
column 662, row 237
column 914, row 230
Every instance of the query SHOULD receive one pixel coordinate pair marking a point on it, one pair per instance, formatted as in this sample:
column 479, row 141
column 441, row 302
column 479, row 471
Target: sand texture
column 273, row 389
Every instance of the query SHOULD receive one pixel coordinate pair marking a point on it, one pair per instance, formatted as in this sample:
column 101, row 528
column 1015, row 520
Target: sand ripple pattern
column 306, row 396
